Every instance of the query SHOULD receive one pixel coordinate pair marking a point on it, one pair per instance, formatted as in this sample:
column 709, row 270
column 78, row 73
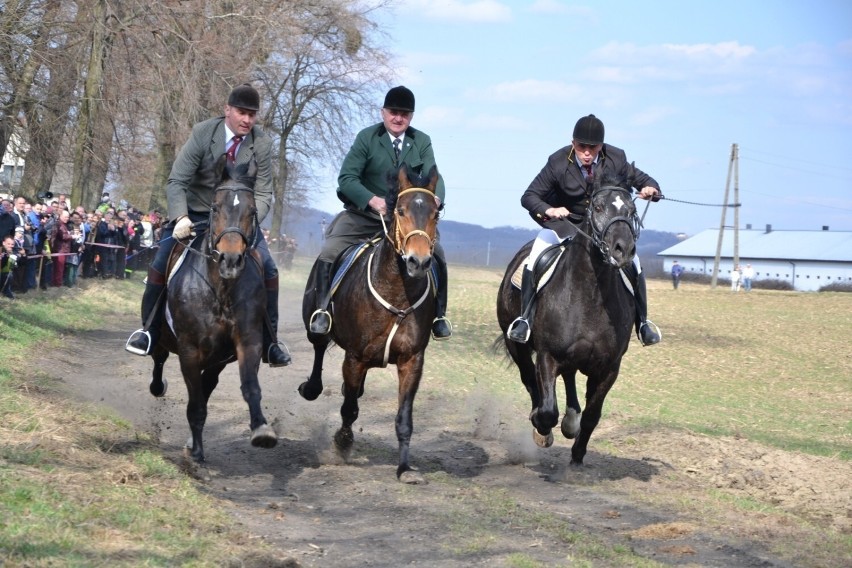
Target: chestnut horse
column 583, row 318
column 383, row 309
column 217, row 301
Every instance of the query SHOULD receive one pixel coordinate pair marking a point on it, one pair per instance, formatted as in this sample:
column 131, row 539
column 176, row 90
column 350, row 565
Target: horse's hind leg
column 159, row 385
column 571, row 420
column 354, row 373
column 312, row 388
column 410, row 372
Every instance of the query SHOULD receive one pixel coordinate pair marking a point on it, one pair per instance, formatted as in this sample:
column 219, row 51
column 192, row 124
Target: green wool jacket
column 191, row 182
column 365, row 168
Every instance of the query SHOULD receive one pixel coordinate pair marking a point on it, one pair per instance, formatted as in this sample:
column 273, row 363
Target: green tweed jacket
column 365, row 168
column 191, row 181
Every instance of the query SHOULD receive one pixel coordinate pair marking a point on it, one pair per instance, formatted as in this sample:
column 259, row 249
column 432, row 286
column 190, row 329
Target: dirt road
column 491, row 498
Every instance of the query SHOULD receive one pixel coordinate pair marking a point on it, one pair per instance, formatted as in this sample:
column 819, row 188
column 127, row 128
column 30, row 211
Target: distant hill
column 465, row 243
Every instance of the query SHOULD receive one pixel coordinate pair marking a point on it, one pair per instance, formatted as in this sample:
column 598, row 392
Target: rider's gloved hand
column 183, row 228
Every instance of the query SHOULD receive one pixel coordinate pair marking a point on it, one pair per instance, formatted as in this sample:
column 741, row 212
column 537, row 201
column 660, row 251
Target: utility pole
column 731, row 167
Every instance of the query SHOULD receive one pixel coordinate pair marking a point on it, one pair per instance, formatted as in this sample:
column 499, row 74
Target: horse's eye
column 214, row 208
column 400, row 211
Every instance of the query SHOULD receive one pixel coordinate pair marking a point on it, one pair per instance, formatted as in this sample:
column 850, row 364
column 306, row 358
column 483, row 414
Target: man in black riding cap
column 190, row 192
column 362, row 186
column 557, row 200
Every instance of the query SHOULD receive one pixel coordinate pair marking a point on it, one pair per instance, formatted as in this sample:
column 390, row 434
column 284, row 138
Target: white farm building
column 808, row 260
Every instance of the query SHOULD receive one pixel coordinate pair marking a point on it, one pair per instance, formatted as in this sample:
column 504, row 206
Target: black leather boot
column 320, row 321
column 272, row 352
column 441, row 326
column 520, row 329
column 142, row 341
column 646, row 330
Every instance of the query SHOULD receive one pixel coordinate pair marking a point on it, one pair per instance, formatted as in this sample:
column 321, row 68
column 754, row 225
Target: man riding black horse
column 190, row 189
column 557, row 200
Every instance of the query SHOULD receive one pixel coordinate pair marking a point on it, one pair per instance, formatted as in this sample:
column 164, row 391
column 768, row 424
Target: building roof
column 828, row 246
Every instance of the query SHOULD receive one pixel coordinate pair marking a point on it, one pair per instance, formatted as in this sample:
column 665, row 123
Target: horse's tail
column 498, row 347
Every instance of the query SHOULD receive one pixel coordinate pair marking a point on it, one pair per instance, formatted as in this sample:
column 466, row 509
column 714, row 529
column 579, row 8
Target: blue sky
column 499, row 86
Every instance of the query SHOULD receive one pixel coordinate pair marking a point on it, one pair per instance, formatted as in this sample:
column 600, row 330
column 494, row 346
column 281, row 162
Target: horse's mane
column 611, row 179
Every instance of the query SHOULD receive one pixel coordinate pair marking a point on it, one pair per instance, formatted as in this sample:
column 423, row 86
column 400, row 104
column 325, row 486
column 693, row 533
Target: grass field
column 771, row 367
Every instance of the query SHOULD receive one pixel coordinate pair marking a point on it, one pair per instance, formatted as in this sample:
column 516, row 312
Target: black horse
column 217, row 301
column 583, row 319
column 383, row 309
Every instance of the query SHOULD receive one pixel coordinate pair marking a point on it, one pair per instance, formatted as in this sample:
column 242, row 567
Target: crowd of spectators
column 50, row 243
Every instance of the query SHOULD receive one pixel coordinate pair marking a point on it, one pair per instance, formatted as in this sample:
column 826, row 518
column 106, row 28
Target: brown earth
column 491, row 498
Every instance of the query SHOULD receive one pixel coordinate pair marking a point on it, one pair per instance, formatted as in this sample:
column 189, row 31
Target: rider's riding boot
column 142, row 341
column 646, row 330
column 441, row 326
column 320, row 321
column 272, row 352
column 520, row 329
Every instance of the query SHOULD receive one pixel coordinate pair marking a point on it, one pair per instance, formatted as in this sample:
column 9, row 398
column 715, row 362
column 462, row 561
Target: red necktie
column 589, row 174
column 232, row 150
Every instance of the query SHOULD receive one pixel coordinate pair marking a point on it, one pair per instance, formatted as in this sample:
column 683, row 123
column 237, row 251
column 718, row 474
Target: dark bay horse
column 217, row 302
column 583, row 319
column 382, row 311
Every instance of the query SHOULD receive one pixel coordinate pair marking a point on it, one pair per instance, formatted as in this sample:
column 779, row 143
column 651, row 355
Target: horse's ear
column 403, row 173
column 433, row 179
column 246, row 174
column 219, row 169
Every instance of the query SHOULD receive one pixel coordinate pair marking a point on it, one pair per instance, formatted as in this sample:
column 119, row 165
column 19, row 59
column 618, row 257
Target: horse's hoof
column 542, row 441
column 343, row 439
column 571, row 424
column 411, row 477
column 307, row 392
column 264, row 437
column 159, row 391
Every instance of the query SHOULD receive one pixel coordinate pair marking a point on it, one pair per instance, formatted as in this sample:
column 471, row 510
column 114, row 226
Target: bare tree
column 322, row 77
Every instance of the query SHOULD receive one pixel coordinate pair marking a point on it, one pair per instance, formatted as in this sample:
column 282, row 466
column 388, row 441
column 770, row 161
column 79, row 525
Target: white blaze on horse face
column 618, row 202
column 236, row 199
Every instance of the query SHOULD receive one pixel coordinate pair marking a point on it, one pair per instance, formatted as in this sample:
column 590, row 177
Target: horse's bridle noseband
column 213, row 240
column 399, row 241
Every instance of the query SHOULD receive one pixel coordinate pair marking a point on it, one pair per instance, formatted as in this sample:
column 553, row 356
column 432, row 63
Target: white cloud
column 723, row 50
column 454, row 11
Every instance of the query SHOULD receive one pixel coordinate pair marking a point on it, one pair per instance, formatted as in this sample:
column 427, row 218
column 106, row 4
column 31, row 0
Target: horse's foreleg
column 196, row 409
column 312, row 388
column 522, row 356
column 159, row 385
column 596, row 391
column 546, row 415
column 409, row 372
column 571, row 420
column 354, row 373
column 262, row 434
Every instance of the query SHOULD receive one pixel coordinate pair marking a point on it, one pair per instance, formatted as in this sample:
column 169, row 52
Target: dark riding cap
column 245, row 96
column 589, row 130
column 400, row 98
